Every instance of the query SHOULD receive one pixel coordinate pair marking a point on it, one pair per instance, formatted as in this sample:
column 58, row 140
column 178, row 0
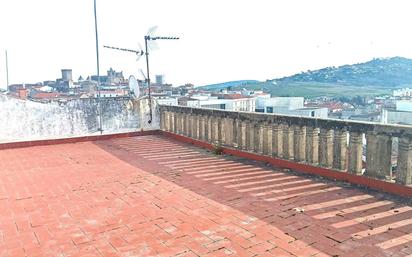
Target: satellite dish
column 134, row 86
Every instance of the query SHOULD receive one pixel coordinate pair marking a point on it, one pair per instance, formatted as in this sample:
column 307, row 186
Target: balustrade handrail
column 394, row 130
column 329, row 143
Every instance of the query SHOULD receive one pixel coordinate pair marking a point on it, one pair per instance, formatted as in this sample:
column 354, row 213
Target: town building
column 402, row 92
column 160, row 79
column 165, row 100
column 288, row 106
column 232, row 102
column 401, row 115
column 113, row 77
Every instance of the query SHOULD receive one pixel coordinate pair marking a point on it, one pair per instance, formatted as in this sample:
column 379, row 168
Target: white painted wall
column 315, row 112
column 404, row 105
column 243, row 104
column 167, row 101
column 287, row 103
column 396, row 117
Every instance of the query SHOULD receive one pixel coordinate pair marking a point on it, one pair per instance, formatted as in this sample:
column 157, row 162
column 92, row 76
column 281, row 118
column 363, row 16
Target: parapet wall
column 356, row 148
column 23, row 120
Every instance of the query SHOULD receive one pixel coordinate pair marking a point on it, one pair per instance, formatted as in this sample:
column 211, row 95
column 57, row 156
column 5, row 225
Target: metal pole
column 98, row 71
column 7, row 70
column 146, row 38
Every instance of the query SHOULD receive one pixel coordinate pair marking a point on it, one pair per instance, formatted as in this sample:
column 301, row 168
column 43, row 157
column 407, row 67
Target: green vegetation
column 313, row 89
column 373, row 78
column 217, row 149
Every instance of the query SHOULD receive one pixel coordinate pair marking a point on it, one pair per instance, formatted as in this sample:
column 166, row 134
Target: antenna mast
column 148, row 38
column 98, row 71
column 149, row 44
column 7, row 70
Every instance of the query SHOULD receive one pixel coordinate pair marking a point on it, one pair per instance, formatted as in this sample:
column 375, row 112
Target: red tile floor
column 152, row 196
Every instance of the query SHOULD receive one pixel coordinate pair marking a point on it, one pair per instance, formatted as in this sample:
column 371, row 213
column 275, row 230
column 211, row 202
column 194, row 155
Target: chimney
column 23, row 92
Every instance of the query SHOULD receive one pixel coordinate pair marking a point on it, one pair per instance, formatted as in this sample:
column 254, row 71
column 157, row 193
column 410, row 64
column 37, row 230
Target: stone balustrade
column 359, row 148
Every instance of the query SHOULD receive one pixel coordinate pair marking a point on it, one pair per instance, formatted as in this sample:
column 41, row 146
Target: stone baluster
column 300, row 143
column 258, row 138
column 288, row 142
column 220, row 130
column 326, row 148
column 223, row 130
column 355, row 153
column 179, row 128
column 277, row 140
column 209, row 126
column 175, row 119
column 340, row 150
column 190, row 125
column 182, row 123
column 185, row 124
column 378, row 156
column 266, row 139
column 212, row 129
column 235, row 133
column 228, row 131
column 163, row 120
column 171, row 121
column 195, row 126
column 242, row 137
column 404, row 176
column 215, row 130
column 177, row 122
column 250, row 136
column 206, row 126
column 312, row 145
column 201, row 127
column 166, row 124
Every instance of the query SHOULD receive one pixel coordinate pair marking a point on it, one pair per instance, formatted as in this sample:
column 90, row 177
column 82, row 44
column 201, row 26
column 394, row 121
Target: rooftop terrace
column 155, row 196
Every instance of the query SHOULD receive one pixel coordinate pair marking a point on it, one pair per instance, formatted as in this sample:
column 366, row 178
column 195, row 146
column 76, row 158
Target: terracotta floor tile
column 151, row 195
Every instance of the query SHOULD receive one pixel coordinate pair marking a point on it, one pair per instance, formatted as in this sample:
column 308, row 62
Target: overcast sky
column 221, row 40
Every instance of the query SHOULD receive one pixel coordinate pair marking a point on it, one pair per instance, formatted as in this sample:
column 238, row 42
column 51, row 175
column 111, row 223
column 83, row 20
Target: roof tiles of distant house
column 233, row 96
column 186, row 98
column 329, row 105
column 46, row 95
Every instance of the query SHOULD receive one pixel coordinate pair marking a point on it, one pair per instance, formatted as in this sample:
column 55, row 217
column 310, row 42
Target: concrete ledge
column 68, row 140
column 384, row 186
column 348, row 125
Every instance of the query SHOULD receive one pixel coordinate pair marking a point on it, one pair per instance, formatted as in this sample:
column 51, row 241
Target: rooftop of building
column 233, row 96
column 155, row 196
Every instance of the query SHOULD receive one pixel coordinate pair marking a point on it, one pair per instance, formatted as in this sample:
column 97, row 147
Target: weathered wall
column 27, row 120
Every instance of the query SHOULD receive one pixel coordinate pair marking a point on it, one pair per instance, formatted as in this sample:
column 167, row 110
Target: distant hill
column 376, row 77
column 225, row 85
column 382, row 72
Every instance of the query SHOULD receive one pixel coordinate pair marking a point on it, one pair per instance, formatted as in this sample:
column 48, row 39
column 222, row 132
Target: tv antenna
column 7, row 70
column 139, row 53
column 150, row 43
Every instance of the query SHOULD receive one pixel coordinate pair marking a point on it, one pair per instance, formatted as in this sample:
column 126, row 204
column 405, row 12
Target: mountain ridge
column 388, row 73
column 383, row 72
